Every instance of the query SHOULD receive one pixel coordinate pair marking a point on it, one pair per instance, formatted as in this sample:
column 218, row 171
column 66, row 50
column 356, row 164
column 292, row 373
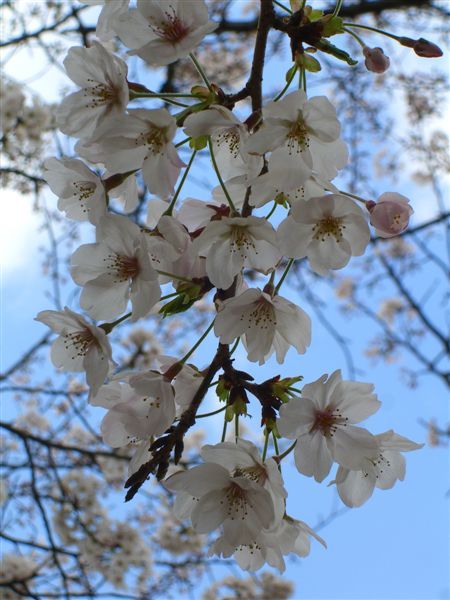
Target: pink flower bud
column 376, row 60
column 427, row 49
column 390, row 214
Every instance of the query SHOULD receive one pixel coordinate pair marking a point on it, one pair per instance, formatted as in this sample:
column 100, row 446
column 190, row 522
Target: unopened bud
column 376, row 60
column 390, row 214
column 427, row 49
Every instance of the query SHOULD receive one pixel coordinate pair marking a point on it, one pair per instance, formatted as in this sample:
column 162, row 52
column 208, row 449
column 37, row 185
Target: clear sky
column 394, row 547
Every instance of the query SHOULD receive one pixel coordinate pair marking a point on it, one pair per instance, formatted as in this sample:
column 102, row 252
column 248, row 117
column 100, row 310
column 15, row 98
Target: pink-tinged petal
column 391, row 468
column 113, row 431
column 144, row 295
column 328, row 253
column 296, row 417
column 231, row 455
column 355, row 400
column 355, row 488
column 183, row 506
column 96, row 365
column 350, row 446
column 210, row 512
column 312, row 456
column 108, row 395
column 103, row 298
column 294, row 238
column 266, row 139
column 64, row 357
column 390, row 440
column 222, row 265
column 199, row 480
column 321, row 390
column 320, row 118
column 209, row 121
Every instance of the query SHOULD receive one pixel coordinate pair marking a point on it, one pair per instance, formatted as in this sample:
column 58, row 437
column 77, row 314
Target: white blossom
column 234, row 243
column 328, row 230
column 80, row 346
column 382, row 468
column 111, row 9
column 163, row 31
column 299, row 130
column 322, row 422
column 115, row 269
column 141, row 139
column 81, row 192
column 267, row 324
column 243, row 507
column 143, row 407
column 103, row 97
column 228, row 136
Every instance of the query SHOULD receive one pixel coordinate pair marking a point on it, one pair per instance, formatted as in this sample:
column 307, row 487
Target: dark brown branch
column 163, row 447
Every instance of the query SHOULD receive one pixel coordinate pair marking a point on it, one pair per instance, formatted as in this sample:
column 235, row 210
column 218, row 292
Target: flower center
column 241, row 242
column 328, row 421
column 84, row 190
column 172, row 29
column 99, row 94
column 257, row 473
column 237, row 502
column 154, row 139
column 298, row 139
column 229, row 137
column 78, row 342
column 123, row 268
column 262, row 315
column 329, row 226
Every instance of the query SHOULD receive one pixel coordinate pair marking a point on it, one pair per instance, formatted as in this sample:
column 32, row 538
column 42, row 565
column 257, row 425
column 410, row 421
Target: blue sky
column 394, row 547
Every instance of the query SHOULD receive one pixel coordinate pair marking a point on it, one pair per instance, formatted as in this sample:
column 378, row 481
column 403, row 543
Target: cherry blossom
column 298, row 129
column 322, row 422
column 228, row 136
column 110, row 11
column 234, row 243
column 328, row 230
column 389, row 214
column 103, row 97
column 141, row 139
column 144, row 406
column 243, row 459
column 115, row 269
column 382, row 469
column 81, row 192
column 162, row 31
column 270, row 545
column 243, row 507
column 267, row 324
column 80, row 346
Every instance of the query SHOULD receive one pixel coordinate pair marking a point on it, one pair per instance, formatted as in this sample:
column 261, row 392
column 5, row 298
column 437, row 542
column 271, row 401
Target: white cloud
column 19, row 235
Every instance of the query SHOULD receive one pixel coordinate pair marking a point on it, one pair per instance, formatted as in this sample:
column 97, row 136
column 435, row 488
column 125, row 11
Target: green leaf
column 291, row 72
column 329, row 48
column 332, row 26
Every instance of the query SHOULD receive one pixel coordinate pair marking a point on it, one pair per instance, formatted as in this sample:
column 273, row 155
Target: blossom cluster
column 288, row 154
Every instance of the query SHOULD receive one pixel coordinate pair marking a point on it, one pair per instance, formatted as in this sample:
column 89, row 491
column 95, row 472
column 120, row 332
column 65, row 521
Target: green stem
column 283, row 6
column 167, row 296
column 224, row 430
column 173, row 276
column 236, row 427
column 178, row 190
column 197, row 343
column 286, row 87
column 293, row 389
column 188, row 139
column 302, row 79
column 201, row 71
column 108, row 327
column 272, row 210
column 165, row 97
column 374, row 29
column 337, row 8
column 303, row 5
column 357, row 38
column 235, row 345
column 266, row 444
column 353, row 196
column 283, row 277
column 219, row 177
column 286, row 452
column 275, row 442
column 210, row 414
